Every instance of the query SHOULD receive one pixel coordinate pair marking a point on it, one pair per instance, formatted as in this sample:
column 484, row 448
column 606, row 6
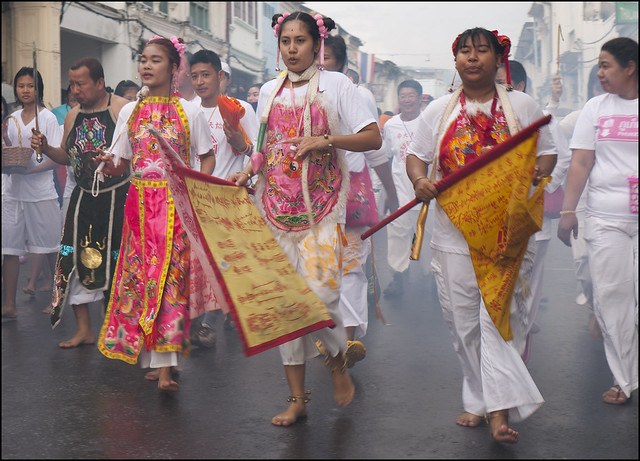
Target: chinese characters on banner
column 271, row 304
column 493, row 210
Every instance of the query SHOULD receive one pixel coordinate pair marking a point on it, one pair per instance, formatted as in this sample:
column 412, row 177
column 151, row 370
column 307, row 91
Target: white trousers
column 400, row 233
column 494, row 375
column 613, row 258
column 581, row 259
column 155, row 359
column 532, row 302
column 325, row 283
column 353, row 291
column 78, row 294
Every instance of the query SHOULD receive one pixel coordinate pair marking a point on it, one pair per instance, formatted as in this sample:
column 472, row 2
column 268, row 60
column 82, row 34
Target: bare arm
column 56, row 153
column 544, row 167
column 207, row 162
column 384, row 173
column 417, row 171
column 581, row 164
column 41, row 167
column 367, row 138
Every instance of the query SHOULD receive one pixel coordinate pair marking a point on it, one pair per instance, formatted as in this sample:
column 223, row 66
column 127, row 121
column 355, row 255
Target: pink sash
column 361, row 202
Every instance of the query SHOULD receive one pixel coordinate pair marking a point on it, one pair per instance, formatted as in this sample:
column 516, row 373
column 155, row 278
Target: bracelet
column 563, row 212
column 326, row 136
column 247, row 149
column 242, row 172
column 418, row 179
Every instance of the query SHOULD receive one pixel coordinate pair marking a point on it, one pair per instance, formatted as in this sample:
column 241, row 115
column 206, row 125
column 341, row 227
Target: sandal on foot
column 354, row 353
column 321, row 348
column 614, row 396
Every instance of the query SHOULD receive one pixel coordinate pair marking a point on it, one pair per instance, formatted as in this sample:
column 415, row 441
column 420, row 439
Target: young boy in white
column 230, row 147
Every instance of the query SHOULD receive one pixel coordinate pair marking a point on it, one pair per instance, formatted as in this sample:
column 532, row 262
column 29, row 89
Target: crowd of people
column 111, row 233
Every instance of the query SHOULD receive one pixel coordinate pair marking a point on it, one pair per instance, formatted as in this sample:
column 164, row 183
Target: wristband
column 563, row 212
column 326, row 136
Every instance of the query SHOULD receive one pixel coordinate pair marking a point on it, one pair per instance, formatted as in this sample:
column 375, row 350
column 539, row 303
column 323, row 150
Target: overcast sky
column 420, row 33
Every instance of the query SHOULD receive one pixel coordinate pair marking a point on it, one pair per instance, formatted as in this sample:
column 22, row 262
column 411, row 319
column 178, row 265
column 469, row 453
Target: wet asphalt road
column 78, row 404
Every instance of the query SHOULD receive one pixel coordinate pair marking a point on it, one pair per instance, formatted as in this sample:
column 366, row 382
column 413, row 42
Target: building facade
column 566, row 38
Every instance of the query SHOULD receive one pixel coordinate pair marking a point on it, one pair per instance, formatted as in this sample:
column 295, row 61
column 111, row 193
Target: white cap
column 226, row 68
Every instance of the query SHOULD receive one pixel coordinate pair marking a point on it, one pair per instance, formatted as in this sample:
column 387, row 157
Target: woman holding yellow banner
column 303, row 181
column 454, row 131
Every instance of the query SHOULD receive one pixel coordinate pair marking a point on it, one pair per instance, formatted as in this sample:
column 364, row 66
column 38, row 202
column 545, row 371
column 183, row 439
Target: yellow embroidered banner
column 270, row 303
column 492, row 208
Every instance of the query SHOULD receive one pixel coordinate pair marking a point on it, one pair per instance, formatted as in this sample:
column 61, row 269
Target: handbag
column 15, row 159
column 553, row 203
column 361, row 201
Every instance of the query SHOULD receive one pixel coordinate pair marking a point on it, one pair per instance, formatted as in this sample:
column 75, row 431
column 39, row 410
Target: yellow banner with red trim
column 496, row 214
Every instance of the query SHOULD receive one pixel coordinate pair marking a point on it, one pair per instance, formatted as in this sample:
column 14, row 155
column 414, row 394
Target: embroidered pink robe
column 148, row 304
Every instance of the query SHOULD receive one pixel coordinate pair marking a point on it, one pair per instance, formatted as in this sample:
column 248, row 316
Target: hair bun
column 329, row 23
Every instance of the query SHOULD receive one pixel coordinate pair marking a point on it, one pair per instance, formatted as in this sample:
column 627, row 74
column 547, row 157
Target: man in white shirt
column 232, row 149
column 398, row 133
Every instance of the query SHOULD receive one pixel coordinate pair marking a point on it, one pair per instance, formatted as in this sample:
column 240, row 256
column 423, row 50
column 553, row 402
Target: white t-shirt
column 341, row 94
column 199, row 131
column 38, row 186
column 608, row 125
column 398, row 134
column 226, row 161
column 446, row 237
column 356, row 160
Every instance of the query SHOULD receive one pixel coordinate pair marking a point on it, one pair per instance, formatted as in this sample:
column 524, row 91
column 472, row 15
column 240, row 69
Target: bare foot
column 594, row 329
column 469, row 420
column 79, row 339
column 343, row 388
column 46, row 289
column 48, row 309
column 9, row 312
column 500, row 431
column 29, row 290
column 152, row 375
column 165, row 380
column 291, row 415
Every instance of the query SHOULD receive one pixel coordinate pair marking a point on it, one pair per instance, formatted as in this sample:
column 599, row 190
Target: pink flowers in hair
column 276, row 28
column 324, row 33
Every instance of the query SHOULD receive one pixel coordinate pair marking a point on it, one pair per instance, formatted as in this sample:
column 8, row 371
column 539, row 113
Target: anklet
column 305, row 398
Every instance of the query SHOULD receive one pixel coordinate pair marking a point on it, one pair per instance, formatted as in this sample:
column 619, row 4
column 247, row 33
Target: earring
column 452, row 80
column 174, row 86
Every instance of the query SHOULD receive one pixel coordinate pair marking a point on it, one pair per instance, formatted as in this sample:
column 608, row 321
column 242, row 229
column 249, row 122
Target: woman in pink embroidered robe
column 148, row 309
